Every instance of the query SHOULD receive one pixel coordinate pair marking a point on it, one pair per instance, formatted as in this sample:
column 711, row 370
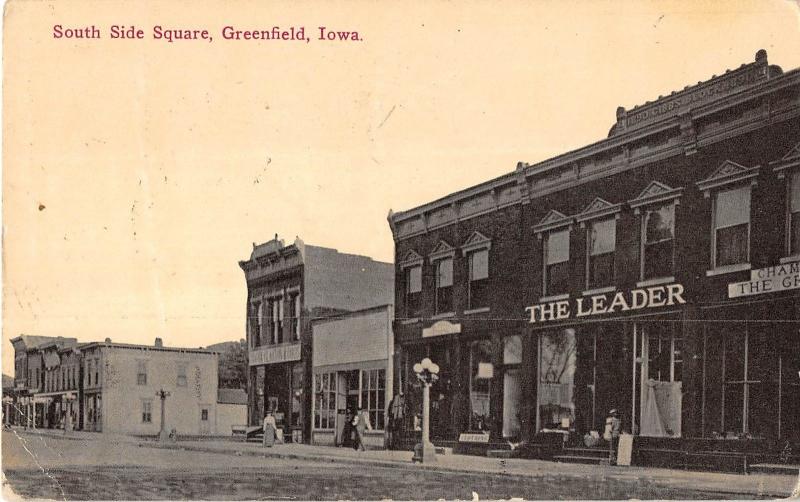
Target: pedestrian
column 611, row 434
column 395, row 421
column 269, row 430
column 360, row 424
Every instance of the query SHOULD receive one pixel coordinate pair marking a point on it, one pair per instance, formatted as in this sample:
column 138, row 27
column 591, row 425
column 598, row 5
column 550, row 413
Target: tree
column 233, row 365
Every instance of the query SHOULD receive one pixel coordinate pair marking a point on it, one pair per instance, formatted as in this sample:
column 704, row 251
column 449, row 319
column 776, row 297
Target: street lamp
column 162, row 434
column 427, row 372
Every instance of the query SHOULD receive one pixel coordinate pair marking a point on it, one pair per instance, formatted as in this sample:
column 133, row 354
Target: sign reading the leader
column 635, row 299
column 768, row 280
column 278, row 354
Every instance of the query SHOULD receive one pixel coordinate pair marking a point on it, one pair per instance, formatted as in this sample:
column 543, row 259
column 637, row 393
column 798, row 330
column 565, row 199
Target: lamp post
column 427, row 372
column 162, row 434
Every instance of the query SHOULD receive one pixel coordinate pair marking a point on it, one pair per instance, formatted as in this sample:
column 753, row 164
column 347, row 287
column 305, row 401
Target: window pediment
column 788, row 161
column 410, row 259
column 728, row 173
column 442, row 250
column 655, row 193
column 552, row 220
column 476, row 241
column 598, row 208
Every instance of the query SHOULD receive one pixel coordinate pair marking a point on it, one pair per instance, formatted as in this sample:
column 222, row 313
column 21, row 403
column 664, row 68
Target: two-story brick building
column 287, row 286
column 654, row 272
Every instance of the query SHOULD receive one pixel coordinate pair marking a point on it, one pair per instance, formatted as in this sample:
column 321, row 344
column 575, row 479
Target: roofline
column 352, row 313
column 115, row 345
column 525, row 171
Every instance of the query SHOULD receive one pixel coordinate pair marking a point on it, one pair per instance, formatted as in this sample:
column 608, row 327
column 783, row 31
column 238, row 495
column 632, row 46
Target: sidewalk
column 770, row 485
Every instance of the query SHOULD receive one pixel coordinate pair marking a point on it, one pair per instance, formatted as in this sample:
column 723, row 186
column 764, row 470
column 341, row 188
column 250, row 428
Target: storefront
column 352, row 357
column 279, row 380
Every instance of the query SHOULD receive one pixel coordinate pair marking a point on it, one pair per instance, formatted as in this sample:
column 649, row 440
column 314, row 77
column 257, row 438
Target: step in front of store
column 596, row 456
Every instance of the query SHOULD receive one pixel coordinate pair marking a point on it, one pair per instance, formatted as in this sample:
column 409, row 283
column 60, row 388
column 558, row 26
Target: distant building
column 353, row 367
column 107, row 386
column 287, row 285
column 231, row 410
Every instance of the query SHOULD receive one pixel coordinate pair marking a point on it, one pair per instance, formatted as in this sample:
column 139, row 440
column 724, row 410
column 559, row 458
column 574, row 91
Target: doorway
column 657, row 381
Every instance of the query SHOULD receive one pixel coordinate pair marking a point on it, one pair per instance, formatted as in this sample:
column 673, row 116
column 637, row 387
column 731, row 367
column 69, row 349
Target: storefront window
column 297, row 394
column 557, row 366
column 481, row 374
column 657, row 249
column 325, row 401
column 602, row 243
column 373, row 396
column 512, row 386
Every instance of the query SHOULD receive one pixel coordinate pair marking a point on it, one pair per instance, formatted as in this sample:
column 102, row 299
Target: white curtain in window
column 733, row 207
column 479, row 265
column 603, row 237
column 558, row 247
column 660, row 223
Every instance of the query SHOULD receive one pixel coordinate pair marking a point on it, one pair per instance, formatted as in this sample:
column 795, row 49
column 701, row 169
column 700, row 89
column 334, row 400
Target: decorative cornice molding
column 442, row 250
column 476, row 241
column 655, row 193
column 411, row 259
column 598, row 208
column 552, row 220
column 789, row 161
column 728, row 173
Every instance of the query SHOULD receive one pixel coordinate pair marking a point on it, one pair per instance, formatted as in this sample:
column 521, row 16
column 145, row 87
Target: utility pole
column 162, row 434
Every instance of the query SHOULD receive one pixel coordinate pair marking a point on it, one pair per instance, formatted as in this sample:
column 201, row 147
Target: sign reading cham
column 278, row 354
column 622, row 301
column 768, row 280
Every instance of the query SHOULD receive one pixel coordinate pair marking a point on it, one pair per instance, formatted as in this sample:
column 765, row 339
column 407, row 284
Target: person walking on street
column 611, row 434
column 360, row 424
column 269, row 430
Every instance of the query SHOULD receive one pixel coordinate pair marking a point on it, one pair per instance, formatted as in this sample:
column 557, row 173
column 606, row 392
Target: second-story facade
column 654, row 272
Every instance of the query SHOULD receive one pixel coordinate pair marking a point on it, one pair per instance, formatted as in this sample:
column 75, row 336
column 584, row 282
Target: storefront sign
column 271, row 355
column 635, row 299
column 767, row 280
column 441, row 328
column 473, row 437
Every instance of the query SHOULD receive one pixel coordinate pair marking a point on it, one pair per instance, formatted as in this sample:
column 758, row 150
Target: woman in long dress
column 269, row 429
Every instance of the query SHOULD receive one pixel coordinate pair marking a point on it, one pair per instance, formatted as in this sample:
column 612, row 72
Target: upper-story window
column 476, row 249
column 556, row 262
column 600, row 220
column 411, row 268
column 258, row 324
column 275, row 325
column 180, row 380
column 731, row 227
column 793, row 217
column 296, row 310
column 729, row 188
column 89, row 372
column 141, row 373
column 444, row 285
column 788, row 166
column 442, row 259
column 602, row 239
column 656, row 206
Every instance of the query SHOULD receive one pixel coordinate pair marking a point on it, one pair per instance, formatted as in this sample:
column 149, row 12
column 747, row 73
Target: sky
column 137, row 173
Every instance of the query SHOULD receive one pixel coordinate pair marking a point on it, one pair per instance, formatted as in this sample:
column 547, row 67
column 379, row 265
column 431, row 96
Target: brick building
column 654, row 271
column 287, row 286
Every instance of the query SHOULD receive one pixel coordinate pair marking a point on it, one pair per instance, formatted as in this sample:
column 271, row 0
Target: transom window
column 658, row 229
column 731, row 227
column 556, row 270
column 602, row 238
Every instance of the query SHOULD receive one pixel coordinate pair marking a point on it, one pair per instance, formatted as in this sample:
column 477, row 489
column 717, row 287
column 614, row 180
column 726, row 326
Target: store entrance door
column 657, row 382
